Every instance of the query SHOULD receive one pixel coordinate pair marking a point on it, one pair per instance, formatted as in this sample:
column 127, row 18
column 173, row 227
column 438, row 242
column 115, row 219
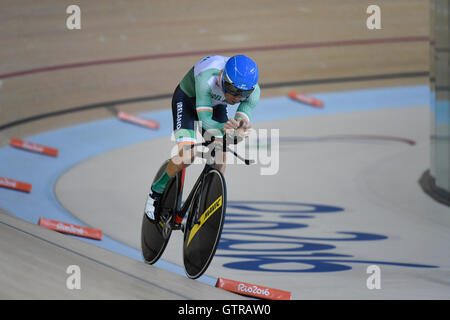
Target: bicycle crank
column 167, row 228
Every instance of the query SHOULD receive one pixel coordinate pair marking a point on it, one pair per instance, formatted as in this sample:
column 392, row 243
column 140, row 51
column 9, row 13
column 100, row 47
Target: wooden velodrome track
column 130, row 55
column 35, row 36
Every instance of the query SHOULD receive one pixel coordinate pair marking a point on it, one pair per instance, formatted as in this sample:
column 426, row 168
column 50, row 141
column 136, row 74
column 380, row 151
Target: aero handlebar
column 228, row 140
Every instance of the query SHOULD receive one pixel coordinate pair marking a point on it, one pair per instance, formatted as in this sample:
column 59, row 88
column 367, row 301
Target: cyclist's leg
column 185, row 155
column 184, row 115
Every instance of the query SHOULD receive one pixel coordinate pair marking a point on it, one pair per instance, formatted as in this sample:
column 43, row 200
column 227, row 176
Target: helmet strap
column 221, row 81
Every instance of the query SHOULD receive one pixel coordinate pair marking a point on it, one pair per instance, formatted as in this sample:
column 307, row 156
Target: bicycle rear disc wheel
column 153, row 242
column 203, row 230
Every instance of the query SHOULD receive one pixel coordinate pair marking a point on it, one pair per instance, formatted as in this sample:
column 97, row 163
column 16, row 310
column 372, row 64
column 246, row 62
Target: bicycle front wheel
column 204, row 226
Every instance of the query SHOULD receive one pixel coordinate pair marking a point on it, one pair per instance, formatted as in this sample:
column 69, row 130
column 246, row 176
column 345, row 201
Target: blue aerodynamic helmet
column 240, row 76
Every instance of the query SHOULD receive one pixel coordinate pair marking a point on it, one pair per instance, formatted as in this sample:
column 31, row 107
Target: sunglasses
column 231, row 89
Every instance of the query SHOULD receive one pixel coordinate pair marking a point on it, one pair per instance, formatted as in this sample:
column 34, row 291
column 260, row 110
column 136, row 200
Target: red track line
column 348, row 137
column 217, row 51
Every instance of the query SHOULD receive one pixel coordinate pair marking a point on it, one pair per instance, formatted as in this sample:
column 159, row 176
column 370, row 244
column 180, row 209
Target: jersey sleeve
column 204, row 103
column 245, row 109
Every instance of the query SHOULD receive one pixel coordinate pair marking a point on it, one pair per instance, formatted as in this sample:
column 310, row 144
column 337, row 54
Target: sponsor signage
column 305, row 99
column 71, row 228
column 33, row 147
column 252, row 290
column 15, row 185
column 138, row 120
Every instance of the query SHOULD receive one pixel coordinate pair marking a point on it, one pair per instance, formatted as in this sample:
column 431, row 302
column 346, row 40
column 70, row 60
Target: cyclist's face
column 229, row 97
column 232, row 99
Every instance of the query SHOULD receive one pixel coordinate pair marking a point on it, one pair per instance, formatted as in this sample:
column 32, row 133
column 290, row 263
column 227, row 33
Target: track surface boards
column 130, row 56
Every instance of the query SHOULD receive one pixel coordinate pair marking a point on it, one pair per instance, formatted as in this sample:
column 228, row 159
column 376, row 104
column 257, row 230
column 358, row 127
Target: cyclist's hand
column 231, row 126
column 240, row 128
column 244, row 129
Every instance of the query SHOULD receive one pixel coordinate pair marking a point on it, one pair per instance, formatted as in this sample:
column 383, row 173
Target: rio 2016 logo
column 265, row 236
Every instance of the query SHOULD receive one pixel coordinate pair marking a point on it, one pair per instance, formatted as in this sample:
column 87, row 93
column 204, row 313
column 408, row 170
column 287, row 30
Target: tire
column 153, row 243
column 203, row 230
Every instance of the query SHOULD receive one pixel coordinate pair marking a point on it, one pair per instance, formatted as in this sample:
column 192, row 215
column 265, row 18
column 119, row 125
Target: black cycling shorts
column 184, row 115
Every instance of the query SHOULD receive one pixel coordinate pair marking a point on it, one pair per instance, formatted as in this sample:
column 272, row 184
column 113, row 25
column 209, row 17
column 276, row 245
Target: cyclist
column 203, row 95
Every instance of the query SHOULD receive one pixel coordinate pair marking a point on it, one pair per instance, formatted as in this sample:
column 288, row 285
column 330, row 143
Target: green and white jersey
column 202, row 83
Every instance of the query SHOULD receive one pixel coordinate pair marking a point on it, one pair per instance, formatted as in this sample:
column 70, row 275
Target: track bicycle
column 205, row 206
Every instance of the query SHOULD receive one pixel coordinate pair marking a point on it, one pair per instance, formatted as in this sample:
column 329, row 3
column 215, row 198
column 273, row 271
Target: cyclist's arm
column 204, row 105
column 245, row 109
column 205, row 116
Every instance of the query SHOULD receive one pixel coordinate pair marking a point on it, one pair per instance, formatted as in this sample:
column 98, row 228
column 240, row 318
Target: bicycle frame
column 210, row 163
column 181, row 212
